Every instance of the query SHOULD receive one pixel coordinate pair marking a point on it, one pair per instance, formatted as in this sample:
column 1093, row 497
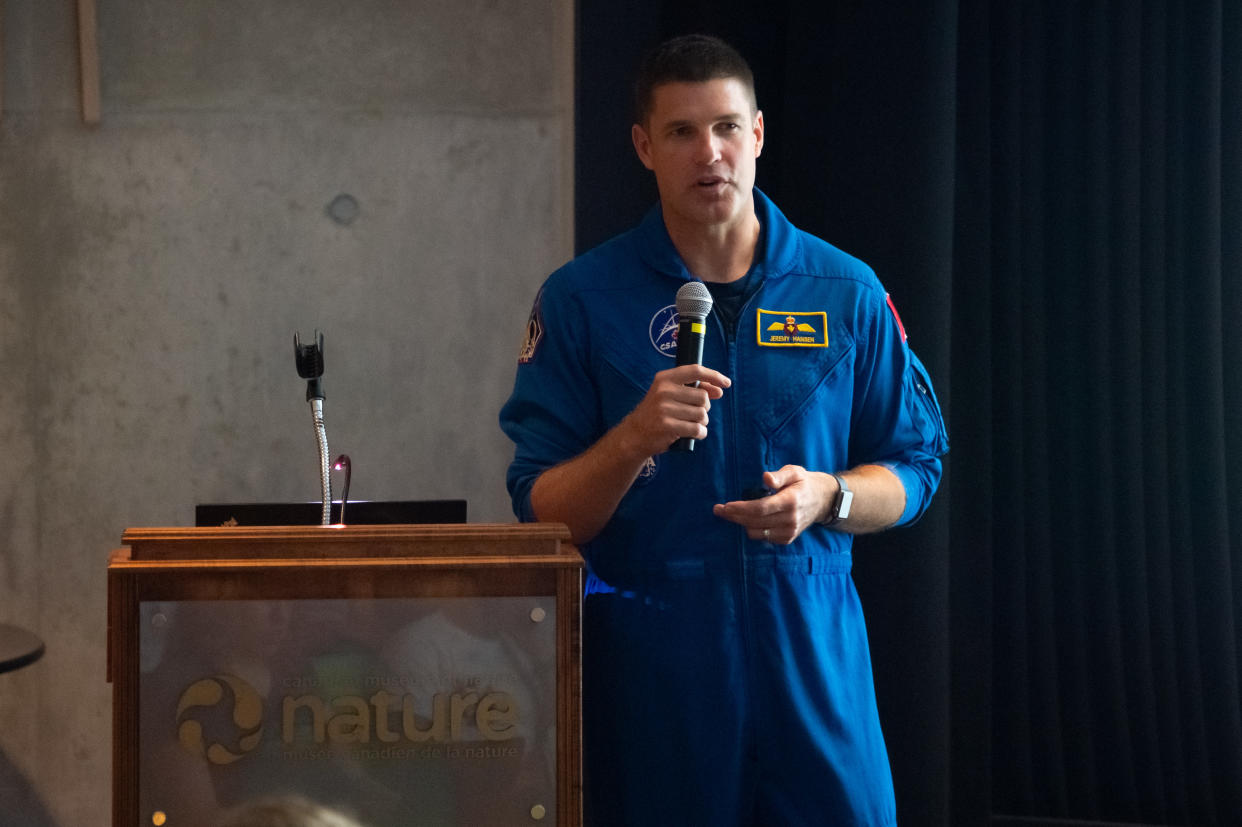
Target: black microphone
column 694, row 302
column 309, row 360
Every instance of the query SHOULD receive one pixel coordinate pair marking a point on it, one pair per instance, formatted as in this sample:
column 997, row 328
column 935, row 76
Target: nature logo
column 208, row 728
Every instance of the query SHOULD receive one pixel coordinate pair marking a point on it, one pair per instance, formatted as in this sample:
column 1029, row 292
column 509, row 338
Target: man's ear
column 758, row 127
column 642, row 144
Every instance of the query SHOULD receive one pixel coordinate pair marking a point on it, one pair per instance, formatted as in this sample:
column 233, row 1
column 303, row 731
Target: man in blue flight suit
column 726, row 675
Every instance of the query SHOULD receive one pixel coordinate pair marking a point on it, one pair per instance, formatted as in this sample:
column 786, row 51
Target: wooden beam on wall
column 1, row 58
column 88, row 58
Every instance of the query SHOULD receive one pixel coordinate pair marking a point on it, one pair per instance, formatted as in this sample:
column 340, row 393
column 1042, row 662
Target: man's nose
column 708, row 149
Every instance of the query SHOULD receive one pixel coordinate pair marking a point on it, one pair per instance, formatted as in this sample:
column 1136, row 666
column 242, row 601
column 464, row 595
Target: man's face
column 701, row 141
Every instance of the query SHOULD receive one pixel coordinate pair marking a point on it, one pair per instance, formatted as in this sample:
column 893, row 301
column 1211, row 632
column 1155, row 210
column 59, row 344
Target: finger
column 682, row 412
column 750, row 513
column 761, row 521
column 681, row 428
column 776, row 536
column 730, row 512
column 783, row 476
column 689, row 374
column 698, row 398
column 700, row 392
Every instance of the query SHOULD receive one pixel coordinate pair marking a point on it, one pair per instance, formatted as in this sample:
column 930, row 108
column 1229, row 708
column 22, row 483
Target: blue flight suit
column 726, row 680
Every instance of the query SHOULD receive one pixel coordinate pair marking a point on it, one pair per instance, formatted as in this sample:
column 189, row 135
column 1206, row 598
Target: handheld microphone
column 694, row 302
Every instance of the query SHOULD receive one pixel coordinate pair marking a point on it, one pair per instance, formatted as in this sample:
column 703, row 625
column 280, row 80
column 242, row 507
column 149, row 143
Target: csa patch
column 662, row 330
column 796, row 329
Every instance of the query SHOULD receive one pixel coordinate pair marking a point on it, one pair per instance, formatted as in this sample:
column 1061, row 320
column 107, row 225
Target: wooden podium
column 408, row 674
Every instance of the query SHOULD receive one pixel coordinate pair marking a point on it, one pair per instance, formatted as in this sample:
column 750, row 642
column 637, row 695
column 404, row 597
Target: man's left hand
column 799, row 498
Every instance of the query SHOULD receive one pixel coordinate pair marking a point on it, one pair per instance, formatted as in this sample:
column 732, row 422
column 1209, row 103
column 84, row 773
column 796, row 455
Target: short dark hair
column 692, row 58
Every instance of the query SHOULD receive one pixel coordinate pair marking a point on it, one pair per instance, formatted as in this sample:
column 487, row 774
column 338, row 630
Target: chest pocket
column 792, row 383
column 625, row 375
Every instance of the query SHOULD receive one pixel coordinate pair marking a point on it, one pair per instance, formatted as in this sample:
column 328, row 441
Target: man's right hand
column 584, row 492
column 675, row 406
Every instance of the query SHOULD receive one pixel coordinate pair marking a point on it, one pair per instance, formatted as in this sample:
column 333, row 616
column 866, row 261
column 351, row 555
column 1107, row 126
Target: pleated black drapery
column 1052, row 193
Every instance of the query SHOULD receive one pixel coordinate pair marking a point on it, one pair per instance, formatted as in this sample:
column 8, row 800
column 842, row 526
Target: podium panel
column 404, row 675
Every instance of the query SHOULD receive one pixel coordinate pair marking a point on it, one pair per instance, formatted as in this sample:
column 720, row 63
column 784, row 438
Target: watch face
column 844, row 500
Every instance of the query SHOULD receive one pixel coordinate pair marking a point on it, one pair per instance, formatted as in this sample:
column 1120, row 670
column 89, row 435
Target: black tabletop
column 18, row 647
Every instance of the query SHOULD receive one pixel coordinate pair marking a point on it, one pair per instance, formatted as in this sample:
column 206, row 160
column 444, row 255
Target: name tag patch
column 779, row 328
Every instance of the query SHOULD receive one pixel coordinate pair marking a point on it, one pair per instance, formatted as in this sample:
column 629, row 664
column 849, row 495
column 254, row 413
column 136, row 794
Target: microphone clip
column 309, row 360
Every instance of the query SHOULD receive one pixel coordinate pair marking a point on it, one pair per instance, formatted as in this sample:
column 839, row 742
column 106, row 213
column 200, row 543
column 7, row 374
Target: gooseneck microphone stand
column 343, row 464
column 310, row 367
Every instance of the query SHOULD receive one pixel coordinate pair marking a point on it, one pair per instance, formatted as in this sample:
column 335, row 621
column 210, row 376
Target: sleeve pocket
column 924, row 408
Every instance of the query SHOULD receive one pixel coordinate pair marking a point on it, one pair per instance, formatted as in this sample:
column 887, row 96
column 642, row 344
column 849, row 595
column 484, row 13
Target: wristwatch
column 841, row 503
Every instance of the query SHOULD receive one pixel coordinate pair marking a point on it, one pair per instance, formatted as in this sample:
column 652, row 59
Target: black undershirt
column 729, row 298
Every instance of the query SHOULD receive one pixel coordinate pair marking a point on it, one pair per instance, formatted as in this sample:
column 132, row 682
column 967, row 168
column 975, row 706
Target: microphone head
column 693, row 300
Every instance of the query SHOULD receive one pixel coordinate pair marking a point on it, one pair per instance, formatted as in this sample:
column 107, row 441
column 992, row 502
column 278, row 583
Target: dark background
column 1052, row 193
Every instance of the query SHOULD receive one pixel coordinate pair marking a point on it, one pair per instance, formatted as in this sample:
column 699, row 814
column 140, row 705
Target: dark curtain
column 1052, row 193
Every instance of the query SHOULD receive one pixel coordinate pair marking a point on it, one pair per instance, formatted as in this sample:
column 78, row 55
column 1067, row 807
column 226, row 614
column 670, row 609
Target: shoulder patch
column 534, row 331
column 648, row 473
column 892, row 307
column 797, row 328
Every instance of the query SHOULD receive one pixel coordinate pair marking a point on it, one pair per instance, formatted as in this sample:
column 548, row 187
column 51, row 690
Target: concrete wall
column 153, row 271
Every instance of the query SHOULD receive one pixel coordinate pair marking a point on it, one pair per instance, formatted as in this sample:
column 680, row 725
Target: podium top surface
column 545, row 540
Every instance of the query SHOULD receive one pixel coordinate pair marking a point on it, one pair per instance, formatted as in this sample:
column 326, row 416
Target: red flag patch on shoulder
column 896, row 317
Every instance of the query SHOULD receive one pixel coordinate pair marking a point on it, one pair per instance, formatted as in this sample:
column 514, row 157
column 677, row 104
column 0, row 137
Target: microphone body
column 694, row 302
